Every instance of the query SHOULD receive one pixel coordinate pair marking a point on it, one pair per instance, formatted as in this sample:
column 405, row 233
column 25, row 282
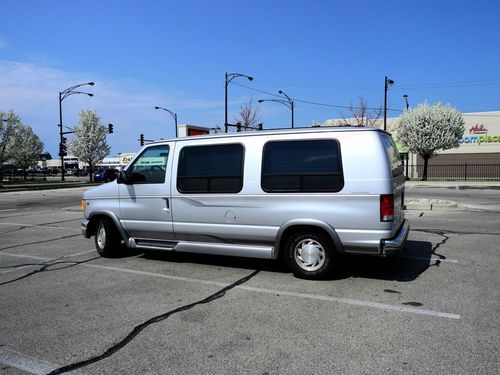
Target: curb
column 430, row 204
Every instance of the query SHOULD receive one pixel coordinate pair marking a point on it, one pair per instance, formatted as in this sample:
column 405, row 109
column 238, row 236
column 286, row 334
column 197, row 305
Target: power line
column 315, row 103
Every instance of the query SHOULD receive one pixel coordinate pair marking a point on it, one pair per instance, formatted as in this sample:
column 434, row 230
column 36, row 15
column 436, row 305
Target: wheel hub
column 309, row 255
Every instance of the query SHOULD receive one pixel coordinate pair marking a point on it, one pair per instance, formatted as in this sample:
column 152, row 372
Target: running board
column 248, row 251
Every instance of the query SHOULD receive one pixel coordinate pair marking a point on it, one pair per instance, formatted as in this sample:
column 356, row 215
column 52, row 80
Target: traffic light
column 238, row 126
column 62, row 149
column 110, row 128
column 141, row 139
column 259, row 127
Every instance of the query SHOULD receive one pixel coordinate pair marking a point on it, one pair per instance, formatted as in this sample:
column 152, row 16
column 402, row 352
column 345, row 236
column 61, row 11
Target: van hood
column 108, row 190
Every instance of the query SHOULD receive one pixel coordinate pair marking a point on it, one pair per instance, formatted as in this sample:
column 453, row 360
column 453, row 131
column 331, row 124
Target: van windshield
column 393, row 155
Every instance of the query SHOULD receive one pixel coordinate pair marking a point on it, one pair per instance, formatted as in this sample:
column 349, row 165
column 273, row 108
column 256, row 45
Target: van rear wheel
column 107, row 238
column 310, row 255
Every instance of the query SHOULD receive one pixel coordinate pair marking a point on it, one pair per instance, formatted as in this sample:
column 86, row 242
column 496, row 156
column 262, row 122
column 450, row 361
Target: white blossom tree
column 89, row 142
column 429, row 128
column 25, row 147
column 8, row 124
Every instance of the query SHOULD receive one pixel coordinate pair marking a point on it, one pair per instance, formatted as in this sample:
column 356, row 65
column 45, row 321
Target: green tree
column 25, row 147
column 89, row 142
column 8, row 125
column 429, row 128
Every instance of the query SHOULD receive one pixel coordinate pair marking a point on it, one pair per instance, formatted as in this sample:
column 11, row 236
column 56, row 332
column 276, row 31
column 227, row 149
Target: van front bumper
column 396, row 245
column 83, row 227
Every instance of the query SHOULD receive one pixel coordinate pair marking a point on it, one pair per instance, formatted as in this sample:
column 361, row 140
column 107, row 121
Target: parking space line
column 39, row 226
column 318, row 297
column 25, row 363
column 348, row 301
column 429, row 259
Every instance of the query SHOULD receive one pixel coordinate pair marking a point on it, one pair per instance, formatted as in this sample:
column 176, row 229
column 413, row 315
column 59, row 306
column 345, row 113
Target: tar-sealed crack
column 438, row 245
column 139, row 328
column 44, row 267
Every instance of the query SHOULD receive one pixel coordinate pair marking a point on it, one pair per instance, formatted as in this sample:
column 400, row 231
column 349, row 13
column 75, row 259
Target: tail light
column 387, row 207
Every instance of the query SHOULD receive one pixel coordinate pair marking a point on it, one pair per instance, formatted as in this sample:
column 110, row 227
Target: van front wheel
column 310, row 255
column 107, row 238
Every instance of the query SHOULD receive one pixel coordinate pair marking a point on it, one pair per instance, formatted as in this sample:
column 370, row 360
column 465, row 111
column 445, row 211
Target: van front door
column 144, row 195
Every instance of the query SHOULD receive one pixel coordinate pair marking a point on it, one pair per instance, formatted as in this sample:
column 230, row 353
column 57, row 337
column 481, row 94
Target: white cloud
column 32, row 90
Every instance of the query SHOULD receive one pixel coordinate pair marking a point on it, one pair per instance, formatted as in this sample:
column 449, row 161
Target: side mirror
column 123, row 178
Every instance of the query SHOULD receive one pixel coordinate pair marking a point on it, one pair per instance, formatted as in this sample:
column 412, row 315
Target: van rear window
column 210, row 169
column 393, row 155
column 302, row 166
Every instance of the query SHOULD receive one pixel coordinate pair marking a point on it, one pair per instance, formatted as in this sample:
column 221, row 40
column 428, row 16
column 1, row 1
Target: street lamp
column 63, row 95
column 174, row 115
column 288, row 102
column 405, row 97
column 229, row 78
column 388, row 82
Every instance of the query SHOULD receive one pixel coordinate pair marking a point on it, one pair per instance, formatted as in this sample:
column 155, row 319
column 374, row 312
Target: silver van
column 302, row 195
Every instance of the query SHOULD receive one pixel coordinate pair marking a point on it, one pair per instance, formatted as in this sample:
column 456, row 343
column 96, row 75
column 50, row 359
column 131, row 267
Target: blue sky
column 174, row 54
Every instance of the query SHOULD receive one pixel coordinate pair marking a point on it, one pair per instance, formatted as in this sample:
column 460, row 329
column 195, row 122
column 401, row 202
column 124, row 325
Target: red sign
column 478, row 129
column 197, row 132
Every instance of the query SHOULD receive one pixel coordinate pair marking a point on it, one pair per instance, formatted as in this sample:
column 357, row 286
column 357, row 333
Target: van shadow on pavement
column 414, row 261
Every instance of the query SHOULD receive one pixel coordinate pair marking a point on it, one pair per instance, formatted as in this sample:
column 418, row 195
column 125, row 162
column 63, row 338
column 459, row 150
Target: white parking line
column 28, row 364
column 348, row 301
column 434, row 259
column 39, row 226
column 318, row 297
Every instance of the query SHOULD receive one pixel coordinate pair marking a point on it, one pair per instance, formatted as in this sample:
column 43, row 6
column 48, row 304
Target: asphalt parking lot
column 434, row 310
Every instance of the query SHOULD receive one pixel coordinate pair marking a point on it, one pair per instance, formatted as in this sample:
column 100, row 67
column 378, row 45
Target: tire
column 310, row 255
column 107, row 238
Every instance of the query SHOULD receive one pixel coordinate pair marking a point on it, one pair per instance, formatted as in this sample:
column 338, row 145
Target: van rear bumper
column 395, row 245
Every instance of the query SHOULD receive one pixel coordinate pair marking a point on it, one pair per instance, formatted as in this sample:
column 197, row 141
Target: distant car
column 105, row 175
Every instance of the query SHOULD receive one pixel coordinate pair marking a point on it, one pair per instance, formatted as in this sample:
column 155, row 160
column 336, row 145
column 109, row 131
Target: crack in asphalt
column 44, row 267
column 139, row 328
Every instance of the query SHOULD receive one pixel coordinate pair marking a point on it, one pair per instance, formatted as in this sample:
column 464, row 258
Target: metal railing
column 455, row 172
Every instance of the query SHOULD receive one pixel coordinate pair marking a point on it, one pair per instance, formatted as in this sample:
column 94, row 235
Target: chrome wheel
column 309, row 254
column 101, row 237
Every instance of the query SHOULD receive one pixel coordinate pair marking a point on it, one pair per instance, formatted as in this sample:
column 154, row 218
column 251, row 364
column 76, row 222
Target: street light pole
column 290, row 101
column 174, row 115
column 228, row 78
column 388, row 82
column 63, row 95
column 405, row 97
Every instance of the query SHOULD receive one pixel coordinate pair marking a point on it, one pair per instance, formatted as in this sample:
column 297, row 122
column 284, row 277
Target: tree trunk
column 90, row 172
column 426, row 163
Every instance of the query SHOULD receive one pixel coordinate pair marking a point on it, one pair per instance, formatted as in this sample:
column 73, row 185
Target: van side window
column 210, row 169
column 302, row 166
column 150, row 166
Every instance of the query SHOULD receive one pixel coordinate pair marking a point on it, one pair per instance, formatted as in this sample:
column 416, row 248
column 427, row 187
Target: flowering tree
column 25, row 148
column 429, row 128
column 89, row 144
column 8, row 125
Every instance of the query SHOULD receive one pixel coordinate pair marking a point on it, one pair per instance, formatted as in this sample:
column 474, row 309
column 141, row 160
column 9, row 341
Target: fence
column 455, row 172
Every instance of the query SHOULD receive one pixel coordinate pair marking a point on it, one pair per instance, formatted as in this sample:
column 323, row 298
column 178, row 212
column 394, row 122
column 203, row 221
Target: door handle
column 167, row 204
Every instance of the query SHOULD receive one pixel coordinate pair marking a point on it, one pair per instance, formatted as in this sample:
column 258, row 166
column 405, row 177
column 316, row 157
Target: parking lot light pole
column 174, row 115
column 388, row 82
column 229, row 78
column 63, row 95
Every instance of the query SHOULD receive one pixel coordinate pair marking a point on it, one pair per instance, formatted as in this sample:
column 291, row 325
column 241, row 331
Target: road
column 434, row 310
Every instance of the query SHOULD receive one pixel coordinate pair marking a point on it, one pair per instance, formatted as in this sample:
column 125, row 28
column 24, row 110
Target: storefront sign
column 480, row 139
column 478, row 129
